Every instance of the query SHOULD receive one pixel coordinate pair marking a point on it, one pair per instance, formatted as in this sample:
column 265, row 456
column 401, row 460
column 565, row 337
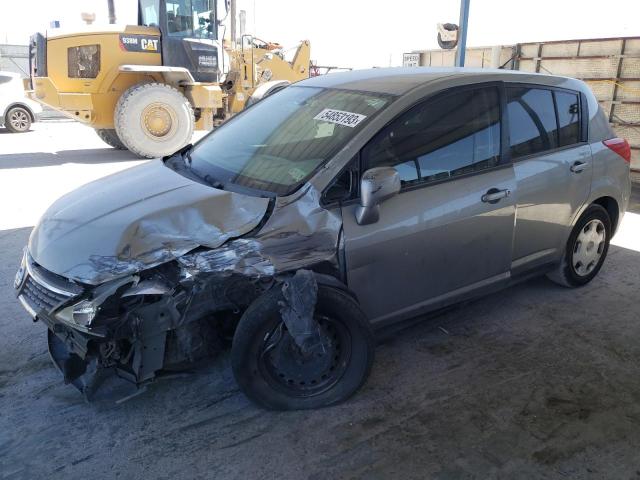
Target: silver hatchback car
column 334, row 207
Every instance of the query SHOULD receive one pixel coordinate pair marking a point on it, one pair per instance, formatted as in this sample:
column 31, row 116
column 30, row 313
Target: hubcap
column 157, row 120
column 19, row 120
column 588, row 247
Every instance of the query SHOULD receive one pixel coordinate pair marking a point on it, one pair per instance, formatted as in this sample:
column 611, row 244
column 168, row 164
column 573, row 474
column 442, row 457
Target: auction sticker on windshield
column 348, row 119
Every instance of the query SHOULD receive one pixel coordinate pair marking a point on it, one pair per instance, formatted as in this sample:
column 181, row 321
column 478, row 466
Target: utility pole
column 462, row 32
column 232, row 12
column 112, row 11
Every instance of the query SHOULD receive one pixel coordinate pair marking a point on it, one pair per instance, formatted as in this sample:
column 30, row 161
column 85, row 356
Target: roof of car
column 397, row 81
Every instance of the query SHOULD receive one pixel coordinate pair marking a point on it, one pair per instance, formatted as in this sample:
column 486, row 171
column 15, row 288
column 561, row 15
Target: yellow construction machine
column 146, row 87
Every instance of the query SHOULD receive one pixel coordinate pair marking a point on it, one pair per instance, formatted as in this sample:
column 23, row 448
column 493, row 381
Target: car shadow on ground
column 5, row 131
column 48, row 159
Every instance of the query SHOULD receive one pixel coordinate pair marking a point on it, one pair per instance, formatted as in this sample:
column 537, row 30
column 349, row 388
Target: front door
column 449, row 232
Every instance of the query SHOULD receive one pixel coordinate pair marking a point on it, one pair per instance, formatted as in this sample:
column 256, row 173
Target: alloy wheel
column 19, row 120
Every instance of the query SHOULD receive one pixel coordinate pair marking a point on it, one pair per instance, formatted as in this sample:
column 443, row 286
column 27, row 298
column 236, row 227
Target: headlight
column 19, row 278
column 84, row 312
column 80, row 314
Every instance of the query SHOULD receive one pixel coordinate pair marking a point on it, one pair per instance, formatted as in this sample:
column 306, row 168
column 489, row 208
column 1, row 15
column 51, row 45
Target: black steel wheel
column 288, row 369
column 275, row 373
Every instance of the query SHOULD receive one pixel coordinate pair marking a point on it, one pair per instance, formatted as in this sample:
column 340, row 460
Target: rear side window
column 568, row 105
column 442, row 138
column 532, row 121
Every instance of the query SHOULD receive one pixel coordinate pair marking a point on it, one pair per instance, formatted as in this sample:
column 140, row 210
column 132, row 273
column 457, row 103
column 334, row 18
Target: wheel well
column 611, row 206
column 18, row 104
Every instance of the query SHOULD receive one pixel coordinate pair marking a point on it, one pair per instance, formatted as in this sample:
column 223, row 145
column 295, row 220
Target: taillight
column 620, row 146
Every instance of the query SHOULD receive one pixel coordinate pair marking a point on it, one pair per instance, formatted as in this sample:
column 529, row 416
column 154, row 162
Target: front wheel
column 586, row 249
column 18, row 120
column 273, row 371
column 110, row 137
column 153, row 120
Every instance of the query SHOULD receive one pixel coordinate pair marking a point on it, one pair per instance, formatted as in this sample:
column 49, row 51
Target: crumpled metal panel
column 298, row 234
column 300, row 293
column 136, row 219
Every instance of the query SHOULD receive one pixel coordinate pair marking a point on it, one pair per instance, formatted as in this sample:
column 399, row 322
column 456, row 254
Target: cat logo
column 149, row 44
column 139, row 43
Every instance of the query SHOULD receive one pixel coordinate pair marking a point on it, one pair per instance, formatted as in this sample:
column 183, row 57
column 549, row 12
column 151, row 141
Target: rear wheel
column 110, row 137
column 586, row 249
column 154, row 120
column 273, row 371
column 18, row 120
column 266, row 89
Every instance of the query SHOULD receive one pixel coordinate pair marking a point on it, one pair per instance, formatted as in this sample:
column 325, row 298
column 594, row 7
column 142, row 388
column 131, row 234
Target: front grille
column 43, row 290
column 40, row 297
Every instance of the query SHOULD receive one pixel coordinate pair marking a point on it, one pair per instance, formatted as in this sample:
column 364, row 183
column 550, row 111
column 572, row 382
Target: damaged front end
column 139, row 317
column 137, row 326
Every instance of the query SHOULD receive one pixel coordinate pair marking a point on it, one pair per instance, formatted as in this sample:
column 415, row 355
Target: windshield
column 275, row 145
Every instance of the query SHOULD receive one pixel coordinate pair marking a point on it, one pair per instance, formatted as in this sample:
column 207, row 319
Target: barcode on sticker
column 348, row 119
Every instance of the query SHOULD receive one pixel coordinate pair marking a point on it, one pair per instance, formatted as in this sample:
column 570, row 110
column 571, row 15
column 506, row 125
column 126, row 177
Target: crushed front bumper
column 41, row 293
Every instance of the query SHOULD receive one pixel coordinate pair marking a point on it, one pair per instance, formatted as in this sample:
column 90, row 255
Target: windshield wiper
column 186, row 154
column 212, row 182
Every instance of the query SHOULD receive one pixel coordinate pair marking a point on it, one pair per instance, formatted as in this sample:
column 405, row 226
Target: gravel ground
column 536, row 381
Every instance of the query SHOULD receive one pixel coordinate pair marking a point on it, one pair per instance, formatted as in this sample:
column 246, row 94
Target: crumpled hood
column 136, row 219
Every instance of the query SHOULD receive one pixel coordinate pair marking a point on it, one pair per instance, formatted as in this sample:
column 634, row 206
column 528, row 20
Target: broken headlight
column 80, row 314
column 84, row 312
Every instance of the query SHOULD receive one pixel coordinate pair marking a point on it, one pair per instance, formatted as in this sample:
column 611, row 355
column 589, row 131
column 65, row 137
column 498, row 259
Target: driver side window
column 443, row 138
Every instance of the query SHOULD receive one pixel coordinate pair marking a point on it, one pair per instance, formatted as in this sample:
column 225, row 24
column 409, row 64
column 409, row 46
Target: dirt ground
column 536, row 381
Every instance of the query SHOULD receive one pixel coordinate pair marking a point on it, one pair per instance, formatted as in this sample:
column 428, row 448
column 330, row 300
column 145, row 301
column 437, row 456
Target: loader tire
column 110, row 137
column 154, row 120
column 266, row 89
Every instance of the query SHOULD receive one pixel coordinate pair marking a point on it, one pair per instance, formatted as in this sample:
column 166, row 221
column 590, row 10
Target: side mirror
column 376, row 186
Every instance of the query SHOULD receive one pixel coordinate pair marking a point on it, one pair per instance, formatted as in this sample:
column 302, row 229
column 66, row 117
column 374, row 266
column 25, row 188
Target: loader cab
column 188, row 34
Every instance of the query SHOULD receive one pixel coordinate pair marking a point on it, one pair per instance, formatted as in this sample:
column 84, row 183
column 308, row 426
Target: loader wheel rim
column 158, row 120
column 19, row 120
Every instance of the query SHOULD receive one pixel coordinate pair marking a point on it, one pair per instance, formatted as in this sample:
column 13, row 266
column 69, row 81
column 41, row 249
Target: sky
column 366, row 33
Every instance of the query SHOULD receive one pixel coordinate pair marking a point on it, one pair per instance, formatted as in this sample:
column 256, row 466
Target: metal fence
column 610, row 66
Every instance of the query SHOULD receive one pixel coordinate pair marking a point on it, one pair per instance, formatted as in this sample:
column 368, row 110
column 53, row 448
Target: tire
column 17, row 120
column 578, row 267
column 266, row 89
column 153, row 120
column 349, row 358
column 110, row 137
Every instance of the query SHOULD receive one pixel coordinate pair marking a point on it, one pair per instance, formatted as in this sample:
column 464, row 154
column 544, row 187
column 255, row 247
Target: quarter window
column 443, row 138
column 568, row 106
column 532, row 121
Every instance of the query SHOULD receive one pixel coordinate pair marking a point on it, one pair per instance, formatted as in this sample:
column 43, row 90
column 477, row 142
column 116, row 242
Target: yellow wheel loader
column 146, row 87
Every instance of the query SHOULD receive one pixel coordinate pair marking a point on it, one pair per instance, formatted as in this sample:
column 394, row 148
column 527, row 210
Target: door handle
column 578, row 167
column 494, row 195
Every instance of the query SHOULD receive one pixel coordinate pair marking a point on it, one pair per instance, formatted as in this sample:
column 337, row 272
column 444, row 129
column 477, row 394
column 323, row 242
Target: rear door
column 449, row 232
column 552, row 165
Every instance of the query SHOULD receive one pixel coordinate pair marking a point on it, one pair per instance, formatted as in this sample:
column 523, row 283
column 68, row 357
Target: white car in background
column 17, row 112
